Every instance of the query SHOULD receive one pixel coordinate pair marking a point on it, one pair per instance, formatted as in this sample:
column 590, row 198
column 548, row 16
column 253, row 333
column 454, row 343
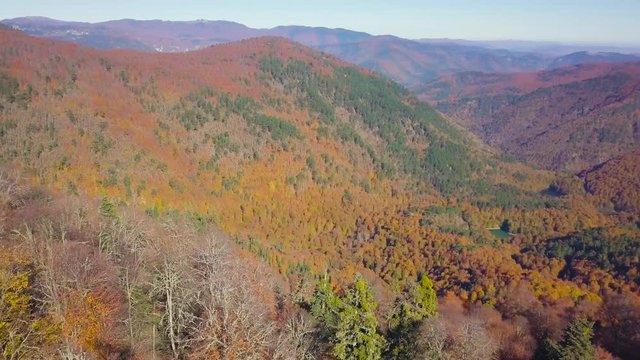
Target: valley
column 563, row 119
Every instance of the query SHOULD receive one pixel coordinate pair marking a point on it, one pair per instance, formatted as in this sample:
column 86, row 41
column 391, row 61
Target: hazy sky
column 594, row 21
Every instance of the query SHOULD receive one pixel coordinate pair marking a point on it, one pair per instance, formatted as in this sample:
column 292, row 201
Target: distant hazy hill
column 567, row 118
column 173, row 36
column 549, row 48
column 584, row 57
column 412, row 63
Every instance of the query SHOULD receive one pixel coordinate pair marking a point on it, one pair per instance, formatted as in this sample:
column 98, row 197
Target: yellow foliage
column 23, row 330
column 85, row 319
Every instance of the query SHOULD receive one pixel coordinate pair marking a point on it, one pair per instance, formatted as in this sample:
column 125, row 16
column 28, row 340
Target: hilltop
column 410, row 62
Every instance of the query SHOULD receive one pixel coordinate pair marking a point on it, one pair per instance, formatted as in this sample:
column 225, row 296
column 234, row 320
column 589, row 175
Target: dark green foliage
column 576, row 343
column 192, row 120
column 10, row 91
column 107, row 208
column 297, row 76
column 242, row 106
column 222, row 143
column 278, row 128
column 311, row 163
column 273, row 66
column 319, row 105
column 507, row 196
column 194, row 110
column 101, row 144
column 346, row 132
column 420, row 303
column 9, row 87
column 566, row 185
column 383, row 106
column 448, row 219
column 449, row 166
column 442, row 210
column 325, row 305
column 614, row 254
column 430, row 116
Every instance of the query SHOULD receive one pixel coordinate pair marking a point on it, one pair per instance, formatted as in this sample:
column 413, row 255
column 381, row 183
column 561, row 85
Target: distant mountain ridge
column 173, row 36
column 551, row 48
column 409, row 62
column 586, row 57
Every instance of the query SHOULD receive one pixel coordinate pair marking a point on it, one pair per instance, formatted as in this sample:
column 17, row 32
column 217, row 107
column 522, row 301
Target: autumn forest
column 264, row 200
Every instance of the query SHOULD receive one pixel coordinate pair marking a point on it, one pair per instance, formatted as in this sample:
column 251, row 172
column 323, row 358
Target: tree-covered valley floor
column 263, row 200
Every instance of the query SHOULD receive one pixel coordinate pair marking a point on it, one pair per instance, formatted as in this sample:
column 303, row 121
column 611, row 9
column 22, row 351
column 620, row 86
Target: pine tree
column 356, row 336
column 421, row 304
column 426, row 301
column 107, row 208
column 576, row 342
column 325, row 305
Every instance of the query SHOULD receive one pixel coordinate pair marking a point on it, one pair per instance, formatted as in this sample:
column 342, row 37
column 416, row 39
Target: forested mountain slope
column 569, row 118
column 315, row 167
column 615, row 183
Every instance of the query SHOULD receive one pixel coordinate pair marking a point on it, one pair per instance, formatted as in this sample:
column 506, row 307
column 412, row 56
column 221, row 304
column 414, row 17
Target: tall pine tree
column 356, row 336
column 576, row 342
column 409, row 312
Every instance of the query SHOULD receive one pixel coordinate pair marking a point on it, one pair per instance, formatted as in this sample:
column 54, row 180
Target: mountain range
column 407, row 61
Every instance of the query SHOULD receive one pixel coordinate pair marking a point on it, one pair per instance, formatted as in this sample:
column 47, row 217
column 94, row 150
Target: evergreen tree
column 107, row 208
column 325, row 305
column 576, row 342
column 356, row 336
column 407, row 317
column 426, row 301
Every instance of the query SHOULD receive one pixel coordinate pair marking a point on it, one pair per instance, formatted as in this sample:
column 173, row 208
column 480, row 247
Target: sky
column 612, row 22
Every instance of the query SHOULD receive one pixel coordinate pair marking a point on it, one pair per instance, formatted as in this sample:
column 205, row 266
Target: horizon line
column 622, row 44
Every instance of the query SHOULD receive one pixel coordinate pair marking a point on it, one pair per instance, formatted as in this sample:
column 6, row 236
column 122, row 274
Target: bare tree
column 472, row 342
column 464, row 340
column 235, row 322
column 296, row 340
column 432, row 340
column 174, row 288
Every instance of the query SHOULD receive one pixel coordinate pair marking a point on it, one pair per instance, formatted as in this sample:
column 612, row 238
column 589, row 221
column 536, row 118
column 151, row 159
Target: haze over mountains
column 406, row 61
